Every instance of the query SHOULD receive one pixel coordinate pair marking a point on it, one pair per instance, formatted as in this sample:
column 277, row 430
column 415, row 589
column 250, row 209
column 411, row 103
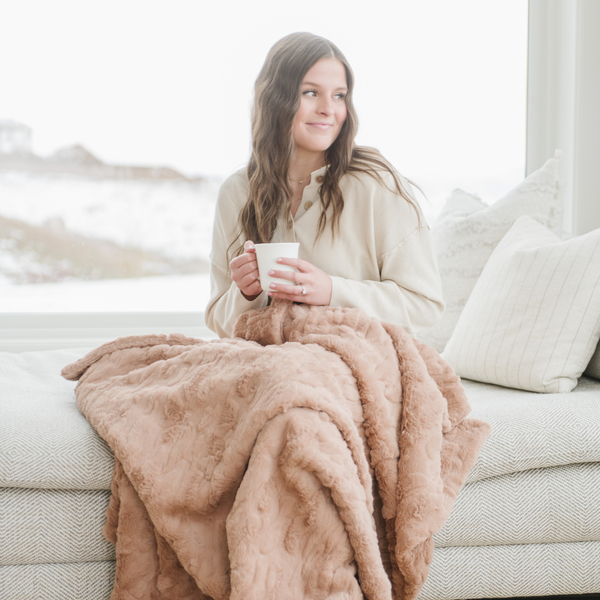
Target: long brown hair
column 276, row 102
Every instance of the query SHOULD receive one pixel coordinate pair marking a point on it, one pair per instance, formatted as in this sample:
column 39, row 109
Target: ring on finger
column 303, row 292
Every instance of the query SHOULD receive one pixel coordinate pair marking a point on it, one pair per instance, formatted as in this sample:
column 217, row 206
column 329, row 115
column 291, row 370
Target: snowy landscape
column 78, row 235
column 111, row 154
column 77, row 239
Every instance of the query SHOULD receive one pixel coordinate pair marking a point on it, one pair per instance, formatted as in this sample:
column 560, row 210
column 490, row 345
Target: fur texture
column 314, row 457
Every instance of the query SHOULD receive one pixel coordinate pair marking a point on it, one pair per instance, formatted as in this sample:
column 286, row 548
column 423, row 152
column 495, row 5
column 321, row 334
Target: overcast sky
column 440, row 84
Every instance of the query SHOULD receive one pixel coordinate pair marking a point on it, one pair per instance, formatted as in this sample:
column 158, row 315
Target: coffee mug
column 267, row 255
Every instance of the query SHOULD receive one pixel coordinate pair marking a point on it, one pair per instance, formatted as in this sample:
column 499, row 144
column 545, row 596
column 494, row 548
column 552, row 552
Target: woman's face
column 322, row 109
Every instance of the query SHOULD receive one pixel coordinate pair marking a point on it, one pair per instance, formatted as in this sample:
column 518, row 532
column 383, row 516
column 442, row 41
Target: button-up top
column 381, row 260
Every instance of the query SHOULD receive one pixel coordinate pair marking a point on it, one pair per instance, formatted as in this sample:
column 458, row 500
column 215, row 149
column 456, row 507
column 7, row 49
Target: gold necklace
column 299, row 180
column 304, row 178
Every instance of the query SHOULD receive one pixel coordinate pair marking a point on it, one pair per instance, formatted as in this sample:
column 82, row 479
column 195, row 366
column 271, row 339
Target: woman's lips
column 321, row 126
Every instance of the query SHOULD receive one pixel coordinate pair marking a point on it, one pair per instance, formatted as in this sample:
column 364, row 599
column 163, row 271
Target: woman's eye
column 313, row 94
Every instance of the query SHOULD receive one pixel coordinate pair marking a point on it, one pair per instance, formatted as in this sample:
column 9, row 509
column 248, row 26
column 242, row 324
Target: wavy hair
column 276, row 102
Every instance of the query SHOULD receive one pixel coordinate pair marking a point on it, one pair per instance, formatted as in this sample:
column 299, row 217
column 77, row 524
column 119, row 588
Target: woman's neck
column 303, row 165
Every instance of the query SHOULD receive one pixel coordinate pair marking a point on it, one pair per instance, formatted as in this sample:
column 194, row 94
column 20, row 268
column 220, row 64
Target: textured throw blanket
column 313, row 458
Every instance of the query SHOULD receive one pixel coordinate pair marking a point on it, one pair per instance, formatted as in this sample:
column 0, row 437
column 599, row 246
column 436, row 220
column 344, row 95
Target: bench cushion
column 53, row 526
column 540, row 506
column 46, row 443
column 513, row 571
column 533, row 431
column 59, row 581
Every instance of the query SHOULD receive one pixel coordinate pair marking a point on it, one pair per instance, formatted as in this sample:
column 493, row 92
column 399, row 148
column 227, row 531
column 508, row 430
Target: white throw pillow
column 533, row 319
column 467, row 231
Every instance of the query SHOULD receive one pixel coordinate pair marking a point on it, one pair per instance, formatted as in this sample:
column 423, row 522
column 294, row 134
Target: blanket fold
column 246, row 468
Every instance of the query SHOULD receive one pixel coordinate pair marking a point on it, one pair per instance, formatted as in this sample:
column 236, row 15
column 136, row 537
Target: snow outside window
column 119, row 120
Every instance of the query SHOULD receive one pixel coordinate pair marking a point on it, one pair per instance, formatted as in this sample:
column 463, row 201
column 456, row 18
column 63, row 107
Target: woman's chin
column 315, row 147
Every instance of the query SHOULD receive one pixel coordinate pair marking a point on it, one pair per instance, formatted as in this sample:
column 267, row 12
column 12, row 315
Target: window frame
column 562, row 93
column 25, row 332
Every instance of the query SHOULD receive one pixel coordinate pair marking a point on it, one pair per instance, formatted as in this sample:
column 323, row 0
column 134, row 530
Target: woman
column 363, row 241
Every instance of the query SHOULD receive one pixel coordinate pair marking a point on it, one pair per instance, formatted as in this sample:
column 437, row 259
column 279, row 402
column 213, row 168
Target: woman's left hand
column 312, row 286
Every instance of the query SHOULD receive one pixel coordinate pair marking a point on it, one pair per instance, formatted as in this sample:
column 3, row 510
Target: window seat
column 526, row 523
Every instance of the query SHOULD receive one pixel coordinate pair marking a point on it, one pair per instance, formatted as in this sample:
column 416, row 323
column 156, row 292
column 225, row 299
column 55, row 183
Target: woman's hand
column 316, row 283
column 244, row 271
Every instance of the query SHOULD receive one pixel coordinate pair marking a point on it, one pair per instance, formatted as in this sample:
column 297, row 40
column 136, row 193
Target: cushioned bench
column 55, row 475
column 526, row 523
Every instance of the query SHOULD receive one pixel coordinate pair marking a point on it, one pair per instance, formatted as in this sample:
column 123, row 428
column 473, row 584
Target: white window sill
column 25, row 332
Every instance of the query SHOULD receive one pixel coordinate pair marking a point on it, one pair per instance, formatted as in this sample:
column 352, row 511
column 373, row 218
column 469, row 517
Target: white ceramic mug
column 267, row 255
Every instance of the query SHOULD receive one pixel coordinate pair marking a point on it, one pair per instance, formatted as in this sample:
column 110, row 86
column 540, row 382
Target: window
column 121, row 120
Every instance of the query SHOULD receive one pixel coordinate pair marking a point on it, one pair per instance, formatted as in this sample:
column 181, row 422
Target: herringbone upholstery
column 60, row 581
column 542, row 506
column 513, row 571
column 50, row 445
column 533, row 485
column 45, row 441
column 53, row 526
column 532, row 431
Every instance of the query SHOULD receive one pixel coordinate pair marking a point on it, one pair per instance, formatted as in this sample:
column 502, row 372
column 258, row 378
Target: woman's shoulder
column 233, row 193
column 380, row 184
column 237, row 181
column 377, row 194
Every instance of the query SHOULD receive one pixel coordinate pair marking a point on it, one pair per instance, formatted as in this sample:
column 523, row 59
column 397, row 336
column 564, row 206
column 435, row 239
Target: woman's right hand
column 244, row 271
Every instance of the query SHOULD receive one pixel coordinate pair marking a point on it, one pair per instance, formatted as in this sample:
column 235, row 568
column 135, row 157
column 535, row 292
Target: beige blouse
column 381, row 261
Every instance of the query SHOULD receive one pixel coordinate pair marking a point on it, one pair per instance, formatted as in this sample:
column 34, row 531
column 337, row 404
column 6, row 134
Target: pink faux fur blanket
column 315, row 458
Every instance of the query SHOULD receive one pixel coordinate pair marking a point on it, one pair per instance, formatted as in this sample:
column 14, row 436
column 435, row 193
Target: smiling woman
column 322, row 110
column 306, row 172
column 83, row 228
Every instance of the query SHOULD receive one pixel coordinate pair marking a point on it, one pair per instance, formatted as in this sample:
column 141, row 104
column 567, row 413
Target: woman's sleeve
column 409, row 292
column 226, row 301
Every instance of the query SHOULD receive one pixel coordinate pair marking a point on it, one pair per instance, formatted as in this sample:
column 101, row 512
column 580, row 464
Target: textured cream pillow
column 533, row 320
column 467, row 231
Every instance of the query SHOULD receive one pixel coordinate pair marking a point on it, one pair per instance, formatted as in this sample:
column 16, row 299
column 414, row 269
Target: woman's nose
column 326, row 106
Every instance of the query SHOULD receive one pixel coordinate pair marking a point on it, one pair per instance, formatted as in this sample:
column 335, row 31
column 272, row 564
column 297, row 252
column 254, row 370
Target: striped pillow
column 533, row 319
column 467, row 231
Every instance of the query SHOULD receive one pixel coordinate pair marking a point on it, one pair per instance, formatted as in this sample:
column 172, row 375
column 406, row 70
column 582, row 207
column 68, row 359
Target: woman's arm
column 409, row 292
column 403, row 285
column 226, row 300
